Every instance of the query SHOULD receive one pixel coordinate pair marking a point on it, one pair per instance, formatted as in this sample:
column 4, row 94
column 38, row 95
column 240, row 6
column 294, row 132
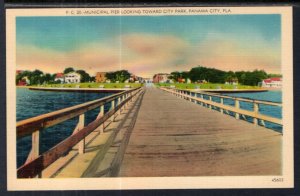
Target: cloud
column 146, row 54
column 153, row 53
column 237, row 54
column 91, row 58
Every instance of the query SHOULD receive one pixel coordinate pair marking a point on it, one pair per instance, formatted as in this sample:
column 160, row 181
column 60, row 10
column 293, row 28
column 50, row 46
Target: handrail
column 239, row 98
column 28, row 126
column 236, row 109
column 37, row 162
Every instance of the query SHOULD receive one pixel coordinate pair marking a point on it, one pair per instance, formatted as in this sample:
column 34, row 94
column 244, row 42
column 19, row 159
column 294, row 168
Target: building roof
column 161, row 74
column 72, row 73
column 269, row 80
column 19, row 71
column 59, row 75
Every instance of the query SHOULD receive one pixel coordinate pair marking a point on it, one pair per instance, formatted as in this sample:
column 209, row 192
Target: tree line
column 38, row 77
column 200, row 73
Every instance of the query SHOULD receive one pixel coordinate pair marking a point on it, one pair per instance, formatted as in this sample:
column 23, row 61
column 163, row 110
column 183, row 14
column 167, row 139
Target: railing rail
column 37, row 162
column 235, row 109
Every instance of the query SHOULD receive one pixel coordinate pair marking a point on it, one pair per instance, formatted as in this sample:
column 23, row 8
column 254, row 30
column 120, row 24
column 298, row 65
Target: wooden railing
column 37, row 162
column 187, row 94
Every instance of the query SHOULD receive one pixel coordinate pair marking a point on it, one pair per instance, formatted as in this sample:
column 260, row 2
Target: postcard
column 149, row 98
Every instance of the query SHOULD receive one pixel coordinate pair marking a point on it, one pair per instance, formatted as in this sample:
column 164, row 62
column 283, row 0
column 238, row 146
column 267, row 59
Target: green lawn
column 208, row 86
column 93, row 85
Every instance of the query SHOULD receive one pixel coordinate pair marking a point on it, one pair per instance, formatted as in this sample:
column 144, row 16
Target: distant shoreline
column 88, row 90
column 234, row 90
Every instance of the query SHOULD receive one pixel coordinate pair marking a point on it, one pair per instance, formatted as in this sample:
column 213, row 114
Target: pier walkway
column 175, row 137
column 170, row 136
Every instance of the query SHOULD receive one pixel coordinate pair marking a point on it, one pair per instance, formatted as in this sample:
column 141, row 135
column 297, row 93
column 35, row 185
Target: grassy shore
column 207, row 86
column 91, row 85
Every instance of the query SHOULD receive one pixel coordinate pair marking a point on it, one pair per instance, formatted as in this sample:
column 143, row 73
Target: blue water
column 273, row 111
column 32, row 103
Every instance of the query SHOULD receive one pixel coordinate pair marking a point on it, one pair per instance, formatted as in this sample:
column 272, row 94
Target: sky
column 146, row 45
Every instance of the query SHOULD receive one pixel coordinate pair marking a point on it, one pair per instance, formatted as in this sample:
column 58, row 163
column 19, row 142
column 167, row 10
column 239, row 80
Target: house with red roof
column 59, row 77
column 272, row 83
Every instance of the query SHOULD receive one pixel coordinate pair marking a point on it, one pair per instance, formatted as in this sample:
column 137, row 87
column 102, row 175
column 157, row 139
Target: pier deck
column 175, row 137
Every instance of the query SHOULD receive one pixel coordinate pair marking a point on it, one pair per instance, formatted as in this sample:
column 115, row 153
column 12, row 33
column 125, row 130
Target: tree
column 253, row 78
column 85, row 77
column 93, row 79
column 48, row 78
column 240, row 76
column 230, row 77
column 36, row 77
column 120, row 76
column 174, row 76
column 110, row 76
column 185, row 75
column 69, row 70
column 209, row 74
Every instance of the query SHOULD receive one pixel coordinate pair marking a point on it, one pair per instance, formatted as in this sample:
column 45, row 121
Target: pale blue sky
column 64, row 34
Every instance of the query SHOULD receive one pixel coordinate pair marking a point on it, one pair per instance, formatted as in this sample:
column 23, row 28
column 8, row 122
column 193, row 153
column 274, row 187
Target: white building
column 72, row 77
column 272, row 83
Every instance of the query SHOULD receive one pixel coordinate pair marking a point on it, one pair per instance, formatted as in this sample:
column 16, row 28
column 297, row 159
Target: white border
column 152, row 182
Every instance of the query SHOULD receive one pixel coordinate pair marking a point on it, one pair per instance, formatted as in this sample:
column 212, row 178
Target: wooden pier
column 159, row 134
column 174, row 137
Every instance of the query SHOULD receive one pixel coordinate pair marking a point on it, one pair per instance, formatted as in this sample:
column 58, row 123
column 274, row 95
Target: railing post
column 210, row 99
column 126, row 96
column 112, row 107
column 255, row 109
column 222, row 102
column 123, row 99
column 263, row 123
column 101, row 113
column 80, row 125
column 237, row 106
column 119, row 102
column 201, row 103
column 35, row 146
column 186, row 94
column 35, row 149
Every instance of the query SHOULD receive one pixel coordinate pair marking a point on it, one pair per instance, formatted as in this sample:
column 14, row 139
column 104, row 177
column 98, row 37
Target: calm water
column 33, row 103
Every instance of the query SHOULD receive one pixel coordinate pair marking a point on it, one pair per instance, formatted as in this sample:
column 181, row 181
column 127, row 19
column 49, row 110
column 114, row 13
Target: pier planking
column 175, row 137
